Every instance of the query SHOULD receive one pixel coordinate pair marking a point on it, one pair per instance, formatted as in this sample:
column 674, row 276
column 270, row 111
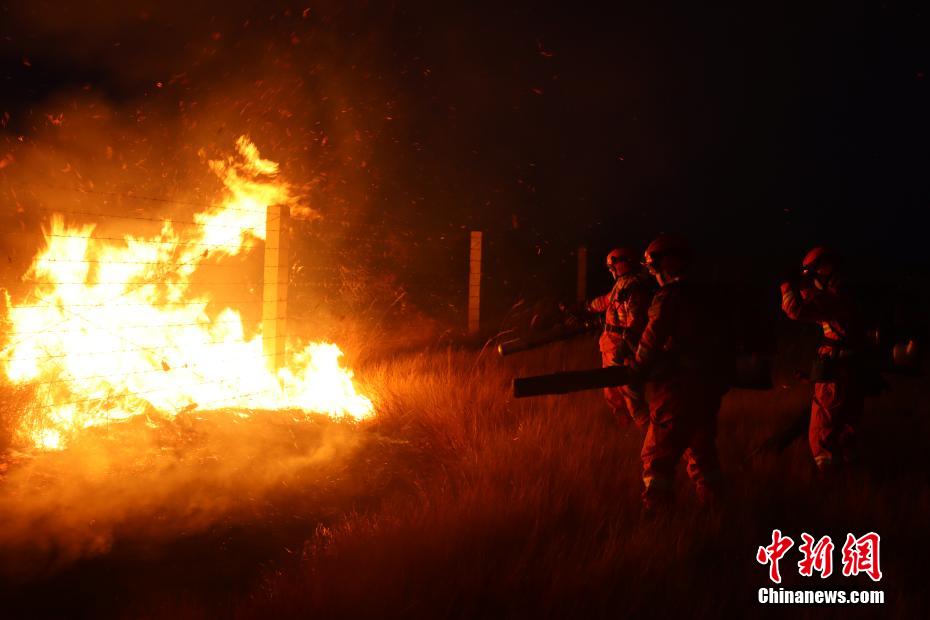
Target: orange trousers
column 835, row 413
column 682, row 423
column 627, row 401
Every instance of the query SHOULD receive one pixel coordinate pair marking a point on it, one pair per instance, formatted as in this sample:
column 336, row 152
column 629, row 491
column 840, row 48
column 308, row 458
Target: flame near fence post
column 112, row 329
column 474, row 282
column 274, row 287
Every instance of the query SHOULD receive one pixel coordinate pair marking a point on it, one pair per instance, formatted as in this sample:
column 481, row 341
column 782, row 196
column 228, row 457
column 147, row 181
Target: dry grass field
column 455, row 501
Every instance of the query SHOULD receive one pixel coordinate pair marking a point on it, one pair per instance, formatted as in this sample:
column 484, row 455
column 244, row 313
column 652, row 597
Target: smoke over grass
column 112, row 116
column 147, row 482
column 456, row 501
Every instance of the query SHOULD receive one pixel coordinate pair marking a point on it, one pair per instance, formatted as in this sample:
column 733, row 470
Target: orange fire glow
column 112, row 328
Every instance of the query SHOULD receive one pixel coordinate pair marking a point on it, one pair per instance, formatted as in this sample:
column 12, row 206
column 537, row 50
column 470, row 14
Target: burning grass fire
column 114, row 329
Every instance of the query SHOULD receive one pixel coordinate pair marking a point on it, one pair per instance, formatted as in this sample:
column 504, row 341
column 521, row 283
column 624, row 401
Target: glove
column 797, row 282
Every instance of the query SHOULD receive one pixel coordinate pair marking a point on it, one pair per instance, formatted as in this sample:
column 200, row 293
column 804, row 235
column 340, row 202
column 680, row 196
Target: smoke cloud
column 141, row 482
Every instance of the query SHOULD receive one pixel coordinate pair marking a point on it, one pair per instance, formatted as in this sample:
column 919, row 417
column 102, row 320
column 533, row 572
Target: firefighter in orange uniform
column 679, row 358
column 839, row 379
column 625, row 310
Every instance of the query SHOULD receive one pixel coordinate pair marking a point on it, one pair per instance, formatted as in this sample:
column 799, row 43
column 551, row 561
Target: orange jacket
column 625, row 310
column 685, row 334
column 832, row 307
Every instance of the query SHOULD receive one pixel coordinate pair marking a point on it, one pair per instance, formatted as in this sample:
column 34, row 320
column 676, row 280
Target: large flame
column 112, row 328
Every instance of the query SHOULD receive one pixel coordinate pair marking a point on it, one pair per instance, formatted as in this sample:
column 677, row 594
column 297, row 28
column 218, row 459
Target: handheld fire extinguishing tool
column 886, row 351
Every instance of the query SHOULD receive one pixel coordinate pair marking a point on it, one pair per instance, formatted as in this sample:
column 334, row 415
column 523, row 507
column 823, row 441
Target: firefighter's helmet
column 819, row 258
column 621, row 261
column 667, row 252
column 820, row 264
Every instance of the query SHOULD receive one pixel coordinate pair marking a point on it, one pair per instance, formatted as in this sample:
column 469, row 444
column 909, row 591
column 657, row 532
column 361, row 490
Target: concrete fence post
column 474, row 282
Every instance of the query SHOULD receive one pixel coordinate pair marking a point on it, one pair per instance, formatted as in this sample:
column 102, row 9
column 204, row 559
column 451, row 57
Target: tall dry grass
column 457, row 501
column 530, row 508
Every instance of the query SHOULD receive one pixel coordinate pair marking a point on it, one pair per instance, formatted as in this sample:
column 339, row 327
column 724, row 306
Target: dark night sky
column 758, row 129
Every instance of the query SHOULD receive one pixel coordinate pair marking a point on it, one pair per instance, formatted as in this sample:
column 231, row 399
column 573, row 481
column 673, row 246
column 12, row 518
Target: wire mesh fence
column 366, row 272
